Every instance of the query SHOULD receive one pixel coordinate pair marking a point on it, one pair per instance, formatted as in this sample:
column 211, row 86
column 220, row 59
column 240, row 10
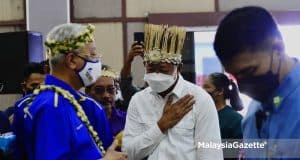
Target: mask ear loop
column 176, row 74
column 271, row 64
column 279, row 67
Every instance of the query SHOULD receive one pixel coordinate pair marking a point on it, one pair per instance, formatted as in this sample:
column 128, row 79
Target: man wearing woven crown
column 167, row 120
column 56, row 121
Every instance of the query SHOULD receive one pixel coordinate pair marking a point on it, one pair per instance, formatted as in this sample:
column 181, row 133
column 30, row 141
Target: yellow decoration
column 163, row 43
column 119, row 138
column 80, row 112
column 71, row 44
column 109, row 73
column 277, row 101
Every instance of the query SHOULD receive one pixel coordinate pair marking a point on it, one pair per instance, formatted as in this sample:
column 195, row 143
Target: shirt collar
column 51, row 80
column 178, row 89
column 290, row 82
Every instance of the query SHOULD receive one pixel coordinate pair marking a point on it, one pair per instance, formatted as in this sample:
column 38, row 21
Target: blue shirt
column 117, row 121
column 49, row 132
column 277, row 120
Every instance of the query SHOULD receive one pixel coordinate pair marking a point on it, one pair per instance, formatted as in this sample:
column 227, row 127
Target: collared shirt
column 277, row 120
column 52, row 131
column 143, row 138
column 117, row 121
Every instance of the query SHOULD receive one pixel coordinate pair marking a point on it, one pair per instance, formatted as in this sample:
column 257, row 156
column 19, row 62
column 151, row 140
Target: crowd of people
column 167, row 119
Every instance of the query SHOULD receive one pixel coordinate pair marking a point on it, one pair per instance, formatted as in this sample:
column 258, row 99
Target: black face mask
column 261, row 86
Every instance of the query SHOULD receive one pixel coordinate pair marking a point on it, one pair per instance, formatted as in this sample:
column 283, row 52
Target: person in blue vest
column 56, row 121
column 250, row 46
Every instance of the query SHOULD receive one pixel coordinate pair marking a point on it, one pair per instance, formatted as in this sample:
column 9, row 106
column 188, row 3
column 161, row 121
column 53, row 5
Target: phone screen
column 139, row 37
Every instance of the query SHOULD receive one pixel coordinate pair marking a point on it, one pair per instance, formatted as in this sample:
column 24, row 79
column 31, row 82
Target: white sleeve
column 207, row 130
column 136, row 143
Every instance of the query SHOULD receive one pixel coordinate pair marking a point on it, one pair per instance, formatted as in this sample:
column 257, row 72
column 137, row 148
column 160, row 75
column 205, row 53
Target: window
column 206, row 61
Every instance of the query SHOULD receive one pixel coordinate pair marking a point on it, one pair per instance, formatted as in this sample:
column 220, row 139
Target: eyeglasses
column 93, row 57
column 102, row 90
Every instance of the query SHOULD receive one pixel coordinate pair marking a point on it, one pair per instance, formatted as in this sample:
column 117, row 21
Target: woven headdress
column 109, row 73
column 70, row 44
column 163, row 43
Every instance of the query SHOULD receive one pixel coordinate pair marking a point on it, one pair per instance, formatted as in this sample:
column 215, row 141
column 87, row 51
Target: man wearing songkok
column 56, row 121
column 166, row 120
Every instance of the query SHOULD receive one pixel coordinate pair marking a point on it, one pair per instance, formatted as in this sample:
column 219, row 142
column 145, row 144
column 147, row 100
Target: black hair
column 45, row 62
column 245, row 29
column 230, row 90
column 31, row 68
column 46, row 66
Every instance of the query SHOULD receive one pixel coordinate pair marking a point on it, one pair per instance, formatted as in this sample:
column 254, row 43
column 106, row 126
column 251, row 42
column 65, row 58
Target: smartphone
column 139, row 37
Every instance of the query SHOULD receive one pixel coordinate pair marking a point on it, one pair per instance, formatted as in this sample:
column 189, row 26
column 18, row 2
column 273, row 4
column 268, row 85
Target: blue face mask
column 260, row 87
column 90, row 72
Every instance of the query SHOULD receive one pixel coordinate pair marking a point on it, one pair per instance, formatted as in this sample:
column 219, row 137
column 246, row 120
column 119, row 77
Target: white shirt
column 143, row 138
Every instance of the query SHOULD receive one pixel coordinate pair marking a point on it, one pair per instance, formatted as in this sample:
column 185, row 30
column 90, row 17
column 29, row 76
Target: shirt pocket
column 183, row 134
column 185, row 127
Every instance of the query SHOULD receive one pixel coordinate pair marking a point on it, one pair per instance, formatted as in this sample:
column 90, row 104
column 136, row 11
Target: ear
column 70, row 61
column 23, row 86
column 87, row 90
column 220, row 92
column 278, row 45
column 179, row 67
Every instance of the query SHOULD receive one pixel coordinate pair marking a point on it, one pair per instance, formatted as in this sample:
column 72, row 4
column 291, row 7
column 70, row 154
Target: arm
column 102, row 127
column 97, row 117
column 52, row 134
column 207, row 130
column 136, row 143
column 127, row 90
column 17, row 128
column 136, row 50
column 126, row 85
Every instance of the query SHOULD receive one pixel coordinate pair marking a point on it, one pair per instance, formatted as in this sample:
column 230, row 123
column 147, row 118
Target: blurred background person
column 46, row 66
column 33, row 76
column 126, row 85
column 221, row 89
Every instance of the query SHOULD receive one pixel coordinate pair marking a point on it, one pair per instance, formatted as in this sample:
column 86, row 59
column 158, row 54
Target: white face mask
column 160, row 82
column 90, row 72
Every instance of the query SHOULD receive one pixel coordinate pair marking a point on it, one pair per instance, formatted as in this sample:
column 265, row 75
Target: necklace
column 80, row 112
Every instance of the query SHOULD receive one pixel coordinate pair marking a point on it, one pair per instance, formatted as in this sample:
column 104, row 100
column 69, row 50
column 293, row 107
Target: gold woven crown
column 109, row 73
column 71, row 44
column 163, row 43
